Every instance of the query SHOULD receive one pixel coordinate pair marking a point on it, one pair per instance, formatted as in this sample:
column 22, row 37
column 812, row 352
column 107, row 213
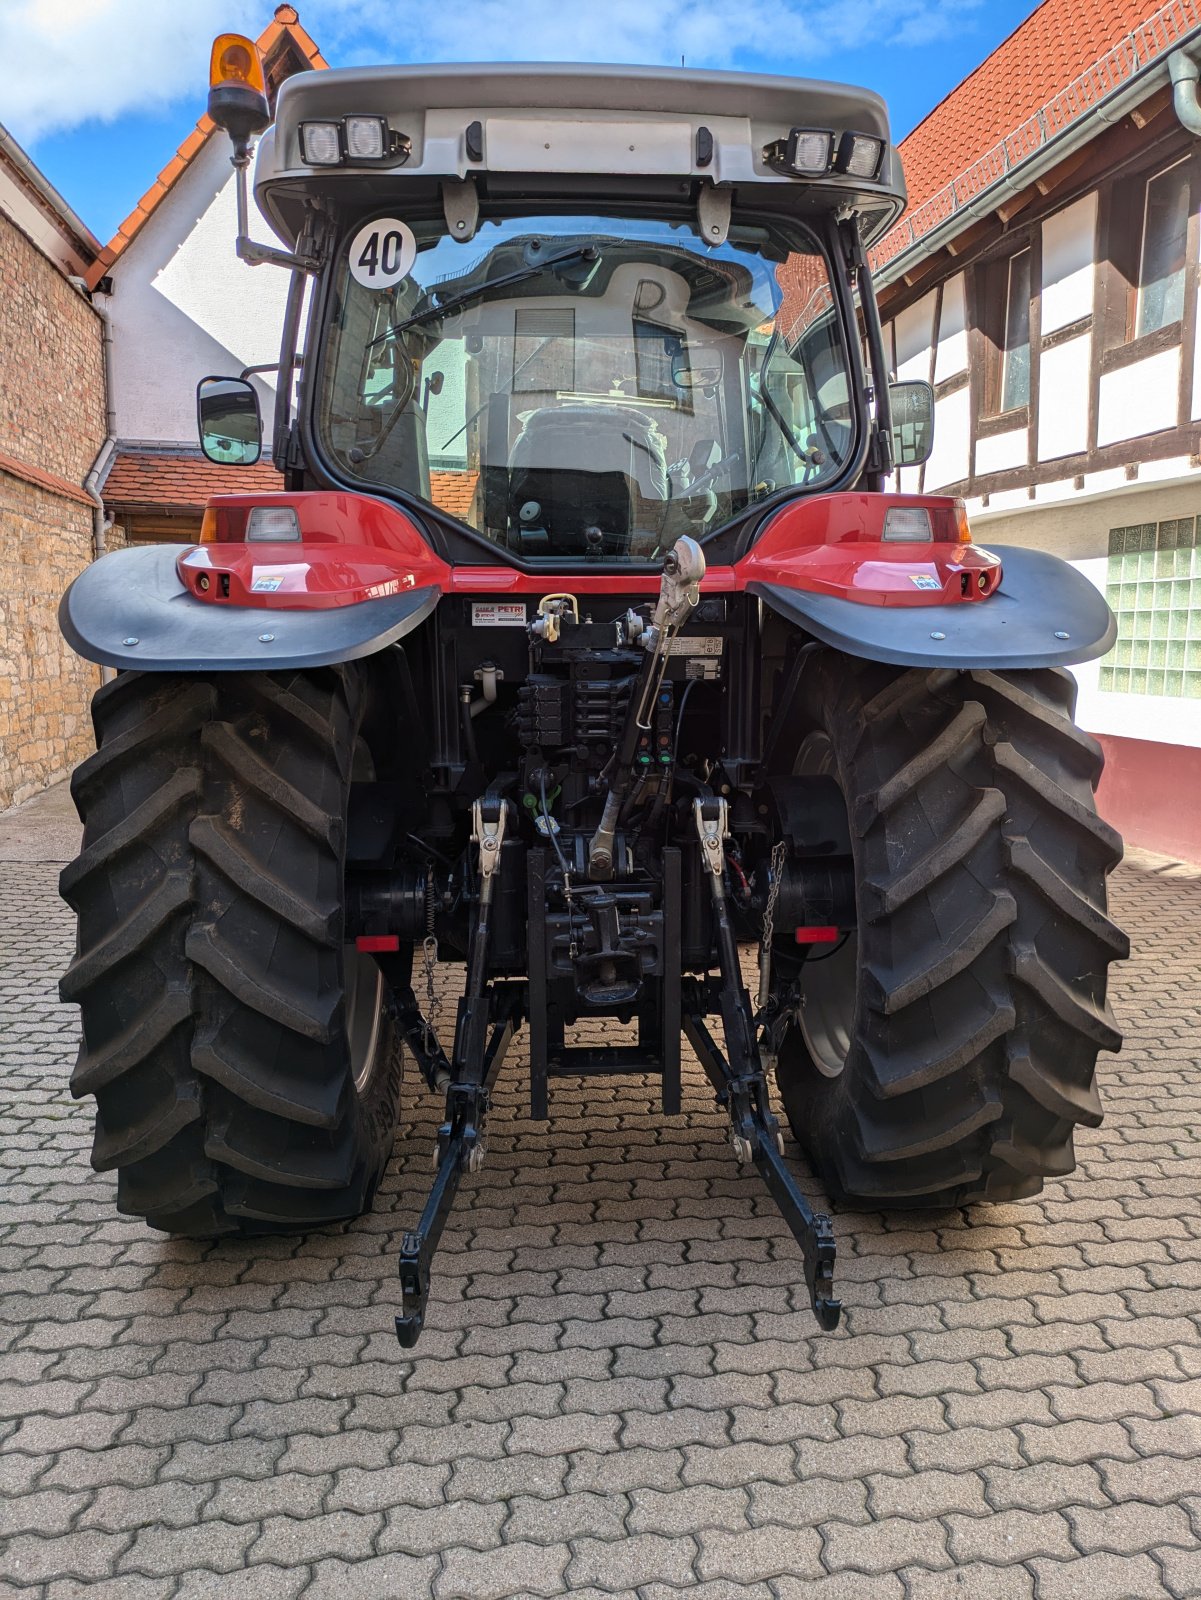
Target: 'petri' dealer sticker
column 382, row 253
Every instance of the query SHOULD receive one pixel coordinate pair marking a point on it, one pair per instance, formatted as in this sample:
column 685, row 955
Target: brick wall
column 51, row 422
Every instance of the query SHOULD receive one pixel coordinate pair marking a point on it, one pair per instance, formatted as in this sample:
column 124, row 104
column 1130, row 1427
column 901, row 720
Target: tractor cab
column 577, row 326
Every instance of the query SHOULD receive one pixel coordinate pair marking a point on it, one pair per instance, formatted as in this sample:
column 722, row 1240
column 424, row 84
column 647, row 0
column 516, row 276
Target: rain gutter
column 1108, row 110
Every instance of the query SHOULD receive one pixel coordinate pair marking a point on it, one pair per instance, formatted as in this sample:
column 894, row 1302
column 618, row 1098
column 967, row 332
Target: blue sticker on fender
column 265, row 585
column 922, row 580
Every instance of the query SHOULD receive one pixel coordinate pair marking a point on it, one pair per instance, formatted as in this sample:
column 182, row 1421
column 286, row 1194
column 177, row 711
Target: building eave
column 973, row 194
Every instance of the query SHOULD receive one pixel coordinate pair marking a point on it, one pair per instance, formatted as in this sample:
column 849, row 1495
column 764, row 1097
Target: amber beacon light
column 237, row 89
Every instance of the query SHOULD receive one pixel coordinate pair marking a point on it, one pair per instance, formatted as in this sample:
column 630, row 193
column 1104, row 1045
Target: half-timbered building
column 1045, row 281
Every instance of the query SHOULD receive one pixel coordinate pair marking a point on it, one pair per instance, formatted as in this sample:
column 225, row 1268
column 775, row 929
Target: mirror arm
column 881, row 462
column 247, row 249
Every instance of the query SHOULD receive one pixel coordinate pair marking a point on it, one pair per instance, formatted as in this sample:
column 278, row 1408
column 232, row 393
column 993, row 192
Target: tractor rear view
column 587, row 646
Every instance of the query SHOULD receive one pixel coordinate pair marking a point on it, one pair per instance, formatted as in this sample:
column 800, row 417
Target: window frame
column 988, row 291
column 1119, row 263
column 1006, row 349
column 1137, row 288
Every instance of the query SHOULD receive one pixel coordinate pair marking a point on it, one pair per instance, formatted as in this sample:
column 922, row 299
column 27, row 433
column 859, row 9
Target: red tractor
column 587, row 644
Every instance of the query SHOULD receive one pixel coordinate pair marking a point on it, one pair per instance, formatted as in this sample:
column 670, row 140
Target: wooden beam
column 970, row 237
column 1017, row 202
column 925, row 269
column 1059, row 174
column 1152, row 108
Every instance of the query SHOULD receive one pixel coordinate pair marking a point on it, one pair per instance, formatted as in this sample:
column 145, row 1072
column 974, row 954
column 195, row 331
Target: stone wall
column 51, row 428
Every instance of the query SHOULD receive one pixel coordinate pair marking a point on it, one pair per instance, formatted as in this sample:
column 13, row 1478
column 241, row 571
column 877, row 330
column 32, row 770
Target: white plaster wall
column 1079, row 533
column 1000, row 452
column 1063, row 398
column 914, row 331
column 1069, row 249
column 950, row 462
column 185, row 307
column 952, row 332
column 1138, row 399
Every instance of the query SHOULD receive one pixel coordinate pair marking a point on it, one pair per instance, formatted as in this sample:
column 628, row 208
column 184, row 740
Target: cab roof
column 493, row 120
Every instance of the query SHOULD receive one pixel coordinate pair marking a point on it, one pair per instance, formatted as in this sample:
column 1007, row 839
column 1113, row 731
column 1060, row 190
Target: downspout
column 91, row 483
column 103, row 455
column 1184, row 73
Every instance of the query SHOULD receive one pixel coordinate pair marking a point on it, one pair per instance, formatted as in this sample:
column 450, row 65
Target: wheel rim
column 363, row 986
column 828, row 984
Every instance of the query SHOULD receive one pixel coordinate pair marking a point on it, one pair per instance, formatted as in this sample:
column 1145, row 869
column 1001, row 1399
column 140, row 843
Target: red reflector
column 816, row 935
column 377, row 941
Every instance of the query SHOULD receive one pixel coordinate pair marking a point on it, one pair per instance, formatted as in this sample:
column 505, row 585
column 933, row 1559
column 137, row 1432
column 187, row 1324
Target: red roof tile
column 142, row 479
column 284, row 30
column 1057, row 45
column 454, row 492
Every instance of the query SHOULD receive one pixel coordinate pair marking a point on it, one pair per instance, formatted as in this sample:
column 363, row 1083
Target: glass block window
column 1154, row 587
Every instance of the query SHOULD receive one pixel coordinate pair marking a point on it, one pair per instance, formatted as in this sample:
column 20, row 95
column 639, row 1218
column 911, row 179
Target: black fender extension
column 130, row 610
column 1045, row 614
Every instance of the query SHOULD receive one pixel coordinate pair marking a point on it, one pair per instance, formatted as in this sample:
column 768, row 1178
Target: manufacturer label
column 498, row 614
column 702, row 667
column 708, row 644
column 922, row 580
column 265, row 585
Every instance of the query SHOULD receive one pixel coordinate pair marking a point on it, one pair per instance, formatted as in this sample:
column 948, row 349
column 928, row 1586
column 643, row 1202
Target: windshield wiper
column 444, row 308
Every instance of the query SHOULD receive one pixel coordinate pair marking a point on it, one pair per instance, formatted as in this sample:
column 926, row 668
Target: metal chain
column 775, row 873
column 429, row 957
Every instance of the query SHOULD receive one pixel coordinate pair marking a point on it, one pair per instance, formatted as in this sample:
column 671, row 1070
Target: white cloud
column 68, row 61
column 780, row 35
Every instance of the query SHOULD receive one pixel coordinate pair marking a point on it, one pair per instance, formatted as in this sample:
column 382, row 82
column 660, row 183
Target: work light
column 806, row 152
column 321, row 143
column 859, row 155
column 366, row 138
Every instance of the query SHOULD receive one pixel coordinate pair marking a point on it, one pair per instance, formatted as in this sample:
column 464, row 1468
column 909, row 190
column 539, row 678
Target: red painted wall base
column 1151, row 793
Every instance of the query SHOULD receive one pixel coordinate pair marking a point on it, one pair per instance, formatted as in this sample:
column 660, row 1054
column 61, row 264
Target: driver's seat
column 582, row 478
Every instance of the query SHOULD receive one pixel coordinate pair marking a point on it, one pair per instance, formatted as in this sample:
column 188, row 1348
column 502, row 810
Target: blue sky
column 100, row 92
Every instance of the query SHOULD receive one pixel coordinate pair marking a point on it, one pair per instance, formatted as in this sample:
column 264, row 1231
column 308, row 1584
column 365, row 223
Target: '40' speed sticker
column 382, row 253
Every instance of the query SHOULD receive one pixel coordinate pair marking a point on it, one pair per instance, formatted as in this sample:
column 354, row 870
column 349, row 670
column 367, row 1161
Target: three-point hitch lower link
column 487, row 1019
column 740, row 1082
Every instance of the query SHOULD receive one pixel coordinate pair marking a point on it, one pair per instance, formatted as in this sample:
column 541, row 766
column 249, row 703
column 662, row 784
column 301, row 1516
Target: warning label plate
column 498, row 614
column 686, row 644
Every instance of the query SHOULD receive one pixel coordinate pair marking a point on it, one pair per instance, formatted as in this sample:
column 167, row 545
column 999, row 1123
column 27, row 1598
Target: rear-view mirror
column 701, row 369
column 912, row 404
column 227, row 416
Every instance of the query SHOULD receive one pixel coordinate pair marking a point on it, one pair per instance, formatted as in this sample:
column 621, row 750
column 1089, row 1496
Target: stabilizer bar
column 757, row 1138
column 740, row 1082
column 460, row 1149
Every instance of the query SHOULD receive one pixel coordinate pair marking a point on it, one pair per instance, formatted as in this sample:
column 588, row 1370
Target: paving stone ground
column 621, row 1391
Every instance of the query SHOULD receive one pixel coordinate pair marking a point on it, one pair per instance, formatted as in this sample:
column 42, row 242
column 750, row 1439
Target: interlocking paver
column 619, row 1387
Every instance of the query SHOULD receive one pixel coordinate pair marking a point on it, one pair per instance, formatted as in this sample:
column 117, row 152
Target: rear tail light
column 269, row 524
column 909, row 524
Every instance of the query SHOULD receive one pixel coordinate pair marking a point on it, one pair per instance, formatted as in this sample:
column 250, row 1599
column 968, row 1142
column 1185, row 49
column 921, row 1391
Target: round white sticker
column 382, row 253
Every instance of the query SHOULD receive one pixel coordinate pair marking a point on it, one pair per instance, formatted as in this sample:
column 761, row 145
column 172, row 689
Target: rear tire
column 972, row 1006
column 244, row 1063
